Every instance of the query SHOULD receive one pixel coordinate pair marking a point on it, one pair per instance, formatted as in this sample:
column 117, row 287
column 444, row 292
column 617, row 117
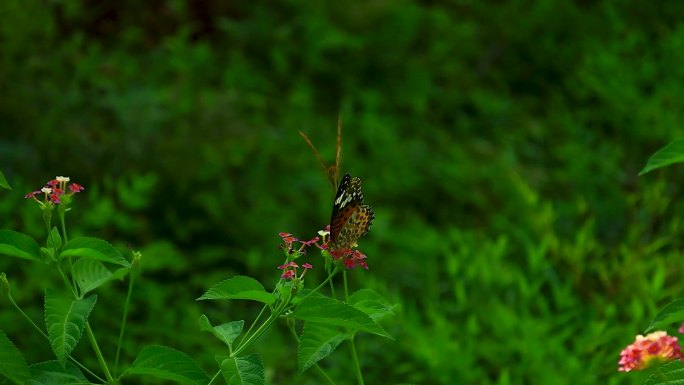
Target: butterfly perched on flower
column 350, row 219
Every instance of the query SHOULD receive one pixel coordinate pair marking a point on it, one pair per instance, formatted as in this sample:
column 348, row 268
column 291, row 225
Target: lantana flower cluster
column 350, row 257
column 55, row 191
column 295, row 248
column 290, row 270
column 656, row 347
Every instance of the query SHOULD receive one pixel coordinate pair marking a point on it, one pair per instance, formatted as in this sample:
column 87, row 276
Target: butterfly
column 350, row 219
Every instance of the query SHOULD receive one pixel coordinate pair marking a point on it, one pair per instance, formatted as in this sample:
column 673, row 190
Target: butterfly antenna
column 318, row 156
column 335, row 172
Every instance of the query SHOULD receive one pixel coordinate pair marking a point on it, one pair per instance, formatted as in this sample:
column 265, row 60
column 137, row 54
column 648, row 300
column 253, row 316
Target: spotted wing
column 350, row 218
column 356, row 227
column 348, row 198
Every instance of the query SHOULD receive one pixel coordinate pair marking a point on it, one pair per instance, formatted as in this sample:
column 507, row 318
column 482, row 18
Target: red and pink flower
column 649, row 349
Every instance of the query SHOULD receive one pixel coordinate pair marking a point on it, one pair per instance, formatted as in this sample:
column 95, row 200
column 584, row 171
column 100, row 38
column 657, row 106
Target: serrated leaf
column 12, row 362
column 53, row 373
column 333, row 312
column 226, row 332
column 94, row 248
column 317, row 342
column 54, row 240
column 248, row 370
column 671, row 373
column 372, row 303
column 671, row 313
column 65, row 320
column 3, row 182
column 239, row 287
column 19, row 245
column 91, row 274
column 168, row 364
column 672, row 153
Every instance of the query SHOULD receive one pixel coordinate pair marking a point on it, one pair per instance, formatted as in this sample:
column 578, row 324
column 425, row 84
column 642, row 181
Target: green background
column 499, row 144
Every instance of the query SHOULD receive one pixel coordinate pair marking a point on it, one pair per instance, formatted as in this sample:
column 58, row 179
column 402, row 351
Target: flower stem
column 324, row 374
column 258, row 317
column 127, row 304
column 98, row 353
column 61, row 220
column 261, row 330
column 355, row 357
column 216, row 376
column 346, row 287
column 66, row 281
column 26, row 316
column 352, row 345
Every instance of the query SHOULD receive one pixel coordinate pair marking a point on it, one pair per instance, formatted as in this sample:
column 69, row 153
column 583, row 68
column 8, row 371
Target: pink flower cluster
column 289, row 243
column 351, row 258
column 645, row 350
column 55, row 190
column 290, row 270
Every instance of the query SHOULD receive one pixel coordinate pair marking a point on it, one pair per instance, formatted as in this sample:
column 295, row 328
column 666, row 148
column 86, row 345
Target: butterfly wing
column 350, row 218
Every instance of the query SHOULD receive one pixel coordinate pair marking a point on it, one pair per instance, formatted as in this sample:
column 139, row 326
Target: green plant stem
column 80, row 365
column 216, row 376
column 267, row 324
column 65, row 239
column 98, row 353
column 324, row 374
column 274, row 315
column 261, row 330
column 75, row 361
column 346, row 287
column 355, row 357
column 26, row 316
column 123, row 321
column 62, row 222
column 258, row 317
column 66, row 281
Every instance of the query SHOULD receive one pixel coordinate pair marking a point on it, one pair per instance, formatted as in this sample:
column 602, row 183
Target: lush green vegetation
column 499, row 146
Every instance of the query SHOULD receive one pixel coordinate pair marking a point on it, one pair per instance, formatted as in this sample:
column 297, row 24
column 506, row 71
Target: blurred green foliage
column 499, row 144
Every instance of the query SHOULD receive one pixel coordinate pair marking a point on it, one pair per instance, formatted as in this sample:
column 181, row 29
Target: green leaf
column 168, row 364
column 317, row 342
column 19, row 245
column 65, row 320
column 670, row 373
column 671, row 313
column 372, row 303
column 672, row 153
column 94, row 248
column 12, row 362
column 3, row 182
column 333, row 312
column 226, row 332
column 248, row 370
column 239, row 287
column 53, row 373
column 54, row 240
column 91, row 274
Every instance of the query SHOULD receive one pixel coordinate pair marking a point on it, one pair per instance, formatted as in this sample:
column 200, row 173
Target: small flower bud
column 4, row 284
column 135, row 264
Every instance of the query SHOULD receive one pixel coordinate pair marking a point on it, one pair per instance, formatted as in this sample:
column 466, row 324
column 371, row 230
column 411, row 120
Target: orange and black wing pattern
column 350, row 219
